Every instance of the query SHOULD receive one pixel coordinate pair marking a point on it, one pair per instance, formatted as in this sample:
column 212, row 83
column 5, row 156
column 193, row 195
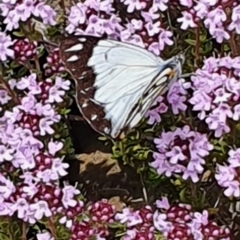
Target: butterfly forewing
column 115, row 82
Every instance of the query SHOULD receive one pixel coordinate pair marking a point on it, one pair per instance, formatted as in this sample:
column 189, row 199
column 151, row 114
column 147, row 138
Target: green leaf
column 22, row 72
column 158, row 236
column 102, row 138
column 191, row 42
column 18, row 34
column 14, row 64
column 152, row 174
column 202, row 37
column 117, row 151
column 57, row 136
column 182, row 195
column 226, row 47
column 4, row 236
column 115, row 225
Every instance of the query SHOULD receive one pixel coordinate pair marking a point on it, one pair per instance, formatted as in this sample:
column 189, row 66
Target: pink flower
column 6, row 153
column 4, row 97
column 223, row 111
column 215, row 17
column 235, row 25
column 235, row 13
column 164, row 204
column 154, row 47
column 164, row 38
column 132, row 5
column 54, row 147
column 221, row 95
column 201, row 9
column 160, row 5
column 234, row 158
column 6, row 209
column 176, row 99
column 21, row 206
column 192, row 174
column 106, row 6
column 40, row 209
column 137, row 24
column 5, row 43
column 44, row 236
column 69, row 193
column 236, row 113
column 225, row 174
column 150, row 15
column 11, row 21
column 232, row 189
column 152, row 28
column 7, row 188
column 58, row 167
column 186, row 20
column 45, row 126
column 219, row 34
column 46, row 13
column 24, row 10
column 77, row 14
column 186, row 3
column 129, row 217
column 94, row 25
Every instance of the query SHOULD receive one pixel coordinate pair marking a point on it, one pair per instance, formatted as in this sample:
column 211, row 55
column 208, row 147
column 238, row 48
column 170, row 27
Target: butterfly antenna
column 171, row 27
column 184, row 52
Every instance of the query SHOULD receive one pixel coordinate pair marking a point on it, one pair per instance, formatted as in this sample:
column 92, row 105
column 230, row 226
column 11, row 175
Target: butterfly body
column 116, row 83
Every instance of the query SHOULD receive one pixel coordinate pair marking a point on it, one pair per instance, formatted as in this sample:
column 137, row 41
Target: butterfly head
column 174, row 65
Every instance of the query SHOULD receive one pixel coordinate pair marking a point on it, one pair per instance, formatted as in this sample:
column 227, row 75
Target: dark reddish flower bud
column 24, row 50
column 101, row 211
column 54, row 63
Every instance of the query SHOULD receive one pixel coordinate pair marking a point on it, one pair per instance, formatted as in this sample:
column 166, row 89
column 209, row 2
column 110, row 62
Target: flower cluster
column 176, row 98
column 100, row 17
column 15, row 12
column 30, row 112
column 94, row 222
column 216, row 93
column 181, row 152
column 171, row 222
column 139, row 223
column 214, row 15
column 180, row 222
column 39, row 165
column 227, row 176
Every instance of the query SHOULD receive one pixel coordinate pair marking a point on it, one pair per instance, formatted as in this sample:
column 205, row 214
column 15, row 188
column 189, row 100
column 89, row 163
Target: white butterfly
column 116, row 83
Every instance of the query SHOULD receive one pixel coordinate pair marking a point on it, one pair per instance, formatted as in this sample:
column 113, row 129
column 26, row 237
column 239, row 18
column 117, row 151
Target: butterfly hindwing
column 75, row 53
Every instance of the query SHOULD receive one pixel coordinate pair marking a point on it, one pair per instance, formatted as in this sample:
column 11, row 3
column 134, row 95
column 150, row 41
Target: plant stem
column 24, row 233
column 5, row 85
column 39, row 72
column 232, row 43
column 9, row 229
column 197, row 47
column 52, row 228
column 63, row 7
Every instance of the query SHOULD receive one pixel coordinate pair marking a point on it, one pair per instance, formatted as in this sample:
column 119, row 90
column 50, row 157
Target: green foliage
column 10, row 228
